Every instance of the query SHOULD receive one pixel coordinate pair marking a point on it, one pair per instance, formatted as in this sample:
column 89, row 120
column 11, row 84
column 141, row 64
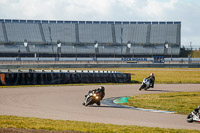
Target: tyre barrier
column 44, row 77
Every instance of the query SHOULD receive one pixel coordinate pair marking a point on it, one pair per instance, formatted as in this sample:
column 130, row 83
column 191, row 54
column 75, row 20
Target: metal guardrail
column 30, row 60
column 53, row 71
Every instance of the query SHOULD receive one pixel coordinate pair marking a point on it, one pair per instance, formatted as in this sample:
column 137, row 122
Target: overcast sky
column 186, row 11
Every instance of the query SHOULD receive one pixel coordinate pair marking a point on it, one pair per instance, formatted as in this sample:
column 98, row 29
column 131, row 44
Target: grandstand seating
column 89, row 33
column 2, row 39
column 135, row 33
column 18, row 32
column 162, row 33
column 173, row 51
column 62, row 32
column 83, row 50
column 42, row 49
column 106, row 50
column 79, row 37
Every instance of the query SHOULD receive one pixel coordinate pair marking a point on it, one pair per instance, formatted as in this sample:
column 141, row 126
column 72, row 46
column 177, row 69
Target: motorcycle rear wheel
column 98, row 103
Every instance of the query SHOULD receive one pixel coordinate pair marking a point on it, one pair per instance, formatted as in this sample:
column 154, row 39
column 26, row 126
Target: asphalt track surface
column 65, row 103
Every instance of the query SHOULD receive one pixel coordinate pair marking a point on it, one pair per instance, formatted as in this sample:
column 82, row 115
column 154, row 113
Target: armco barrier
column 60, row 66
column 61, row 77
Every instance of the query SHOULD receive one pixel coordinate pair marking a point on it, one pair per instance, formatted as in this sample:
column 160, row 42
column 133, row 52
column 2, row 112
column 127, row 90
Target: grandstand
column 47, row 38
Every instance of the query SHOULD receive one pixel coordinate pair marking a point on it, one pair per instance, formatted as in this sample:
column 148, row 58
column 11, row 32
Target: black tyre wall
column 43, row 78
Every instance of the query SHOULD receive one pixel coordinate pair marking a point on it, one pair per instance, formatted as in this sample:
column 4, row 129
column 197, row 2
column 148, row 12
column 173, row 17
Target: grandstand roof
column 87, row 22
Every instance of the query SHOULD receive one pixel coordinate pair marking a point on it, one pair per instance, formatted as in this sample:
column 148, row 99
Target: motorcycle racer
column 100, row 89
column 152, row 79
column 197, row 111
column 194, row 115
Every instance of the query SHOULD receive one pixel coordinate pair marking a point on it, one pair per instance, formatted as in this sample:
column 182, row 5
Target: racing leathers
column 197, row 111
column 152, row 79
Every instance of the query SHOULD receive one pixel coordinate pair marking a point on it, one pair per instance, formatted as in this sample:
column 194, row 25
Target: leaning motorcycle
column 92, row 97
column 193, row 117
column 145, row 84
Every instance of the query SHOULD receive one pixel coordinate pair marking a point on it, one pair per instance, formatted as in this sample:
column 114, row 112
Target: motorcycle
column 193, row 117
column 145, row 84
column 91, row 98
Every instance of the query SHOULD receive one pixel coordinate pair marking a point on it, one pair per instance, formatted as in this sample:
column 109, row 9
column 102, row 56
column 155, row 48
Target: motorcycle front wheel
column 142, row 86
column 190, row 118
column 88, row 102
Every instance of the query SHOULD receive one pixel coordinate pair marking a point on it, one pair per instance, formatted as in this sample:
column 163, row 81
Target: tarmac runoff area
column 65, row 103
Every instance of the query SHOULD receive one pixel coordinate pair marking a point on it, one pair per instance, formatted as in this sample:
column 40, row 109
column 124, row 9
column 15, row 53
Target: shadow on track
column 163, row 90
column 103, row 106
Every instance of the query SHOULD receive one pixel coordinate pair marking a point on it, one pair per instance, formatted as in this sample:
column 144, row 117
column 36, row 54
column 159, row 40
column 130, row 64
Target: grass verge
column 163, row 75
column 166, row 76
column 195, row 54
column 180, row 102
column 60, row 125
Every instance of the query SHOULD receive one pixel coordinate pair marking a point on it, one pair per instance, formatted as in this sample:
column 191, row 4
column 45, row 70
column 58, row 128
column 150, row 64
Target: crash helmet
column 152, row 74
column 101, row 88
